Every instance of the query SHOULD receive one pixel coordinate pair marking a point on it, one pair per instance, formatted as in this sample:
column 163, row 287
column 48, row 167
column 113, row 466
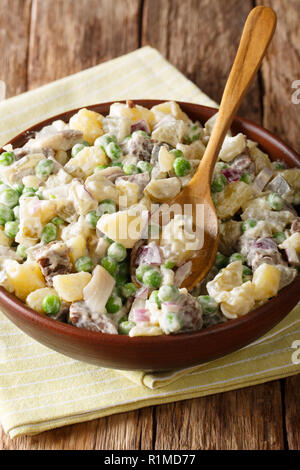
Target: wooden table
column 43, row 40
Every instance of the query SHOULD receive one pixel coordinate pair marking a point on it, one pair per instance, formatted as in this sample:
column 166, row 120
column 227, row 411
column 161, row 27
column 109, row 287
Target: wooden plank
column 244, row 419
column 292, row 412
column 68, row 36
column 280, row 70
column 14, row 33
column 123, row 431
column 201, row 39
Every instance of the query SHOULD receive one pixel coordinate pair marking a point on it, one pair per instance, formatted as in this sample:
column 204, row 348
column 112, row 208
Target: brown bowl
column 160, row 352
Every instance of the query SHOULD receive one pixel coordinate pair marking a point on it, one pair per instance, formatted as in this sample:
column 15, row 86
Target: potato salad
column 77, row 198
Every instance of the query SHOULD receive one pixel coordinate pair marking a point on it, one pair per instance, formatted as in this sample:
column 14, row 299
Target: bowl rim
column 22, row 310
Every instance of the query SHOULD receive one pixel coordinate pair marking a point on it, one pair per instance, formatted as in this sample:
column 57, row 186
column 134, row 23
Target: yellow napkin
column 41, row 389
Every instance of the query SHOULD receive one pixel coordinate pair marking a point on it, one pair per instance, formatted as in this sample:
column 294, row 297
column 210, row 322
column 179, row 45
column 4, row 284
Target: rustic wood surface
column 42, row 40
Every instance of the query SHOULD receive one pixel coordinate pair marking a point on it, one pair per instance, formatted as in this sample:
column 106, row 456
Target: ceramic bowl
column 160, row 352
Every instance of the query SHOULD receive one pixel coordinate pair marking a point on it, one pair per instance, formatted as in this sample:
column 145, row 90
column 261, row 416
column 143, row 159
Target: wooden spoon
column 257, row 34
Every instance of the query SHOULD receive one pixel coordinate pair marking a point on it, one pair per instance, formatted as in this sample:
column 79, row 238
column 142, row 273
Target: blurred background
column 43, row 40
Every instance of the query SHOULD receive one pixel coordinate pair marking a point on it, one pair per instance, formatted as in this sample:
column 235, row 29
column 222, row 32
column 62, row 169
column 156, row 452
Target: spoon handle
column 257, row 34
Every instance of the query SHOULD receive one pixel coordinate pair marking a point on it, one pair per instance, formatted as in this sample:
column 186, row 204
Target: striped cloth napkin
column 41, row 389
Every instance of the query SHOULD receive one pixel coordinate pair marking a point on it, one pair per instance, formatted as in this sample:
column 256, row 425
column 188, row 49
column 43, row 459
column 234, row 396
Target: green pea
column 249, row 223
column 104, row 140
column 144, row 167
column 11, row 228
column 279, row 237
column 124, row 269
column 107, row 206
column 193, row 134
column 155, row 298
column 117, row 252
column 125, row 327
column 16, row 211
column 130, row 169
column 152, row 278
column 99, row 168
column 7, row 158
column 128, row 290
column 275, row 201
column 114, row 304
column 221, row 261
column 237, row 257
column 109, row 240
column 21, row 251
column 221, row 166
column 247, row 274
column 208, row 304
column 78, row 147
column 278, row 165
column 51, row 304
column 140, row 271
column 168, row 265
column 109, row 264
column 92, row 218
column 44, row 168
column 9, row 197
column 218, row 183
column 28, row 189
column 49, row 233
column 84, row 264
column 57, row 221
column 168, row 293
column 181, row 166
column 19, row 188
column 177, row 153
column 113, row 151
column 119, row 164
column 6, row 214
column 246, row 178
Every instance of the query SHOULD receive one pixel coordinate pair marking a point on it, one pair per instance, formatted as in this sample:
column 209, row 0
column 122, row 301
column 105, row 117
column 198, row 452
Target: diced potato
column 89, row 123
column 70, row 286
column 227, row 279
column 135, row 114
column 129, row 193
column 234, row 196
column 118, row 126
column 240, row 301
column 77, row 246
column 31, row 181
column 260, row 158
column 165, row 159
column 35, row 299
column 84, row 163
column 83, row 201
column 124, row 227
column 145, row 330
column 98, row 290
column 162, row 190
column 24, row 278
column 292, row 176
column 194, row 151
column 169, row 107
column 62, row 157
column 232, row 147
column 266, row 280
column 170, row 131
column 292, row 242
column 102, row 188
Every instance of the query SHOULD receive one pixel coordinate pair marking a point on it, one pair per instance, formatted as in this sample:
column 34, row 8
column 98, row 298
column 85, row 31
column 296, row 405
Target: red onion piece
column 170, row 307
column 142, row 293
column 141, row 125
column 141, row 314
column 232, row 174
column 182, row 273
column 149, row 254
